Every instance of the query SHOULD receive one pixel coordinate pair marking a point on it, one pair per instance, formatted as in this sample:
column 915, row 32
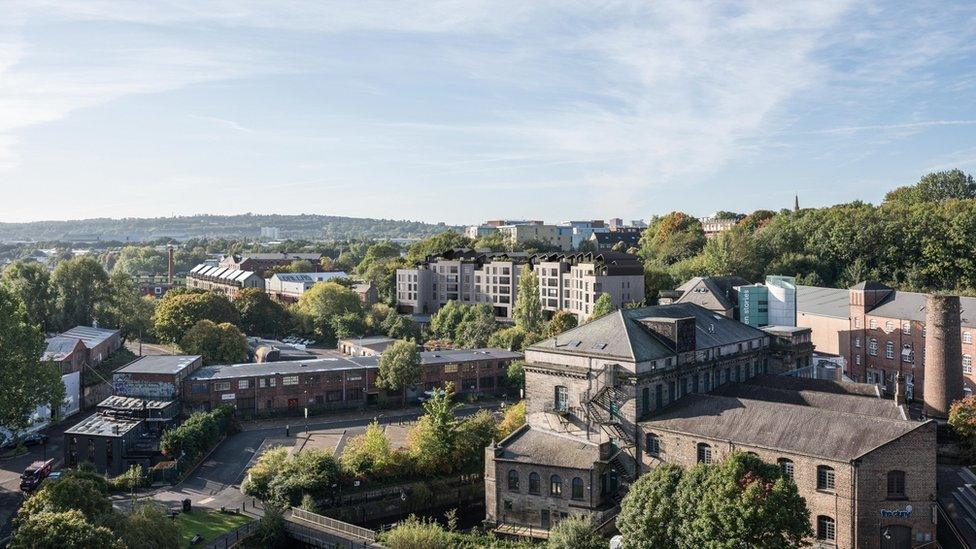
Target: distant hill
column 320, row 227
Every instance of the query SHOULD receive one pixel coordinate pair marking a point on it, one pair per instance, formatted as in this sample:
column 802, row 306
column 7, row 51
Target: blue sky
column 460, row 111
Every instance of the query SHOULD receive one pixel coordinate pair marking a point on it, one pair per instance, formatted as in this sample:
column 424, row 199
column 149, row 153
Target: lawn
column 209, row 524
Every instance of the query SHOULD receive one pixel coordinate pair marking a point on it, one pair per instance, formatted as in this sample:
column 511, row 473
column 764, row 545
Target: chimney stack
column 169, row 265
column 900, row 389
column 943, row 355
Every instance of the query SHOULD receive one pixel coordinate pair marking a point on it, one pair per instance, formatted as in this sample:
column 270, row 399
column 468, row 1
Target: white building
column 291, row 286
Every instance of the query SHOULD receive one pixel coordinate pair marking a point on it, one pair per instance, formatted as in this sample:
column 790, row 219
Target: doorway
column 896, row 536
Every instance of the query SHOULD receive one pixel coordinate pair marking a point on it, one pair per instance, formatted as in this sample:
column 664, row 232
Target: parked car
column 34, row 439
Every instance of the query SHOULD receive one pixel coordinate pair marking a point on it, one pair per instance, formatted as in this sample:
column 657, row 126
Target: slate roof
column 791, row 383
column 159, row 364
column 721, row 288
column 448, row 356
column 59, row 348
column 803, row 430
column 911, row 306
column 870, row 285
column 534, row 445
column 832, row 302
column 235, row 371
column 611, row 238
column 848, row 403
column 91, row 337
column 309, row 277
column 620, row 334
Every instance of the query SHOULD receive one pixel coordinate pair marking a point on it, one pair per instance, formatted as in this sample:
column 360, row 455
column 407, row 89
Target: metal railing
column 231, row 539
column 334, row 525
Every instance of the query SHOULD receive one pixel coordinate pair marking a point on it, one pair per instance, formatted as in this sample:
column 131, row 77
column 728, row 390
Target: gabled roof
column 534, row 445
column 718, row 288
column 91, row 337
column 621, row 335
column 60, row 347
column 804, row 430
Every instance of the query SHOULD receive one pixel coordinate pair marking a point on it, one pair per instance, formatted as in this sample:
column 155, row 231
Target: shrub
column 414, row 533
column 134, row 478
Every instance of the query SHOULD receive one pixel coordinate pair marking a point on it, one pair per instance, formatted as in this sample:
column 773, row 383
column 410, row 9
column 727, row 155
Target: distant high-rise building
column 271, row 233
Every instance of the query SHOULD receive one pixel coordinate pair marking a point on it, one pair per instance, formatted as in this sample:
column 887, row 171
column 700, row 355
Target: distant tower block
column 943, row 355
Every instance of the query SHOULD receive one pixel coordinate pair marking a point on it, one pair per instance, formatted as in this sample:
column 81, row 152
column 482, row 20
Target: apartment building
column 289, row 287
column 562, row 237
column 614, row 398
column 569, row 282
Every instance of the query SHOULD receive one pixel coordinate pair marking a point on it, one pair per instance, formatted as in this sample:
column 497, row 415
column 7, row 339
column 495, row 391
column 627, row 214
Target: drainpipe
column 854, row 509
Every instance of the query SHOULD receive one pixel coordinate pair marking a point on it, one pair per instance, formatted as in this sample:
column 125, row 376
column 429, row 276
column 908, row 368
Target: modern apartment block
column 570, row 282
column 555, row 235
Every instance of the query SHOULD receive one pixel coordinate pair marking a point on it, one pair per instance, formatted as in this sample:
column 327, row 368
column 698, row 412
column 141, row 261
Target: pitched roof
column 791, row 383
column 91, row 337
column 848, row 403
column 534, row 445
column 814, row 300
column 621, row 335
column 159, row 364
column 308, row 277
column 59, row 348
column 804, row 430
column 721, row 288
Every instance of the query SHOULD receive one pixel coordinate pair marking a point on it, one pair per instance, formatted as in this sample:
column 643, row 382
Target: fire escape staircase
column 603, row 408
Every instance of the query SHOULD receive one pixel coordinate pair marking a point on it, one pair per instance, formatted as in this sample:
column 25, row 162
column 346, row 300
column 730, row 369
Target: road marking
column 205, row 501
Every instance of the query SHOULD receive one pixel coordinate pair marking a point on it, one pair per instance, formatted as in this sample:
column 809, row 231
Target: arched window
column 826, row 529
column 555, row 486
column 533, row 483
column 704, row 453
column 577, row 488
column 825, row 478
column 786, row 466
column 896, row 484
column 653, row 444
column 513, row 481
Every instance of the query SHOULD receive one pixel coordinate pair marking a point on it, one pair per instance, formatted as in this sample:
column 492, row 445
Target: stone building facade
column 683, row 384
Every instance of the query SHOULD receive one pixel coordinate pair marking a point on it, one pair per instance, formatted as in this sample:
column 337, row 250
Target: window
column 896, row 484
column 873, row 324
column 450, row 368
column 873, row 347
column 534, row 483
column 653, row 445
column 513, row 481
column 555, row 486
column 786, row 466
column 289, row 380
column 889, row 350
column 561, row 398
column 906, row 328
column 967, row 364
column 889, row 326
column 826, row 530
column 704, row 453
column 825, row 478
column 967, row 337
column 857, row 342
column 261, row 383
column 577, row 488
column 222, row 386
column 244, row 384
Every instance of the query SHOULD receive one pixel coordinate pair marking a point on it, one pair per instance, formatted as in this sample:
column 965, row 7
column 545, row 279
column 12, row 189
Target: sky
column 465, row 110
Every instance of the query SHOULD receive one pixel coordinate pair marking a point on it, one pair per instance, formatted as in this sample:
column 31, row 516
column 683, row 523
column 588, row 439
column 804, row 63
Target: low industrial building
column 338, row 381
column 223, row 280
column 155, row 376
column 109, row 443
column 158, row 414
column 100, row 342
column 365, row 346
column 289, row 287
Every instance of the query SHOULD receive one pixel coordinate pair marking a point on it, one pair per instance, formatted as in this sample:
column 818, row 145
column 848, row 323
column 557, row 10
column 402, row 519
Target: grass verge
column 210, row 524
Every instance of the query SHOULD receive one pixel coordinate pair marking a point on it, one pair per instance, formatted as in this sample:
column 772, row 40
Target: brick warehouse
column 337, row 381
column 682, row 384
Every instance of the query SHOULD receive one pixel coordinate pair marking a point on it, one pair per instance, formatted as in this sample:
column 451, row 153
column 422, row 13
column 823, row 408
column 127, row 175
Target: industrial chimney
column 169, row 265
column 943, row 355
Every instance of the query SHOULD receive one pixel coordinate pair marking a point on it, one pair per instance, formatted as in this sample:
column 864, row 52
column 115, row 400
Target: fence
column 231, row 539
column 331, row 524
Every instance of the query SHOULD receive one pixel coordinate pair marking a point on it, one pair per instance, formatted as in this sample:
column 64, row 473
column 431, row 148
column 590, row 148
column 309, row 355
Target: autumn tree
column 671, row 238
column 560, row 322
column 528, row 306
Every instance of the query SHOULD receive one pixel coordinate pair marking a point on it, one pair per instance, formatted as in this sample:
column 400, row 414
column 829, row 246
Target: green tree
column 216, row 343
column 473, row 434
column 575, row 532
column 377, row 253
column 271, row 529
column 369, row 453
column 140, row 260
column 560, row 322
column 515, row 375
column 962, row 418
column 671, row 238
column 513, row 338
column 495, row 242
column 25, row 382
column 433, row 438
column 177, row 312
column 657, row 278
column 513, row 419
column 648, row 518
column 71, row 493
column 477, row 326
column 311, row 471
column 436, row 244
column 261, row 315
column 257, row 483
column 323, row 302
column 349, row 325
column 29, row 282
column 936, row 187
column 528, row 306
column 59, row 530
column 126, row 308
column 399, row 367
column 148, row 526
column 79, row 286
column 603, row 306
column 741, row 502
column 445, row 322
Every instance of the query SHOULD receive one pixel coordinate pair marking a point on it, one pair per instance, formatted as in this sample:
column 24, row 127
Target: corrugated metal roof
column 91, row 337
column 159, row 364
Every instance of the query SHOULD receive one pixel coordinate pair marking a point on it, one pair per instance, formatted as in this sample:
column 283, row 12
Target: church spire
column 796, row 203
